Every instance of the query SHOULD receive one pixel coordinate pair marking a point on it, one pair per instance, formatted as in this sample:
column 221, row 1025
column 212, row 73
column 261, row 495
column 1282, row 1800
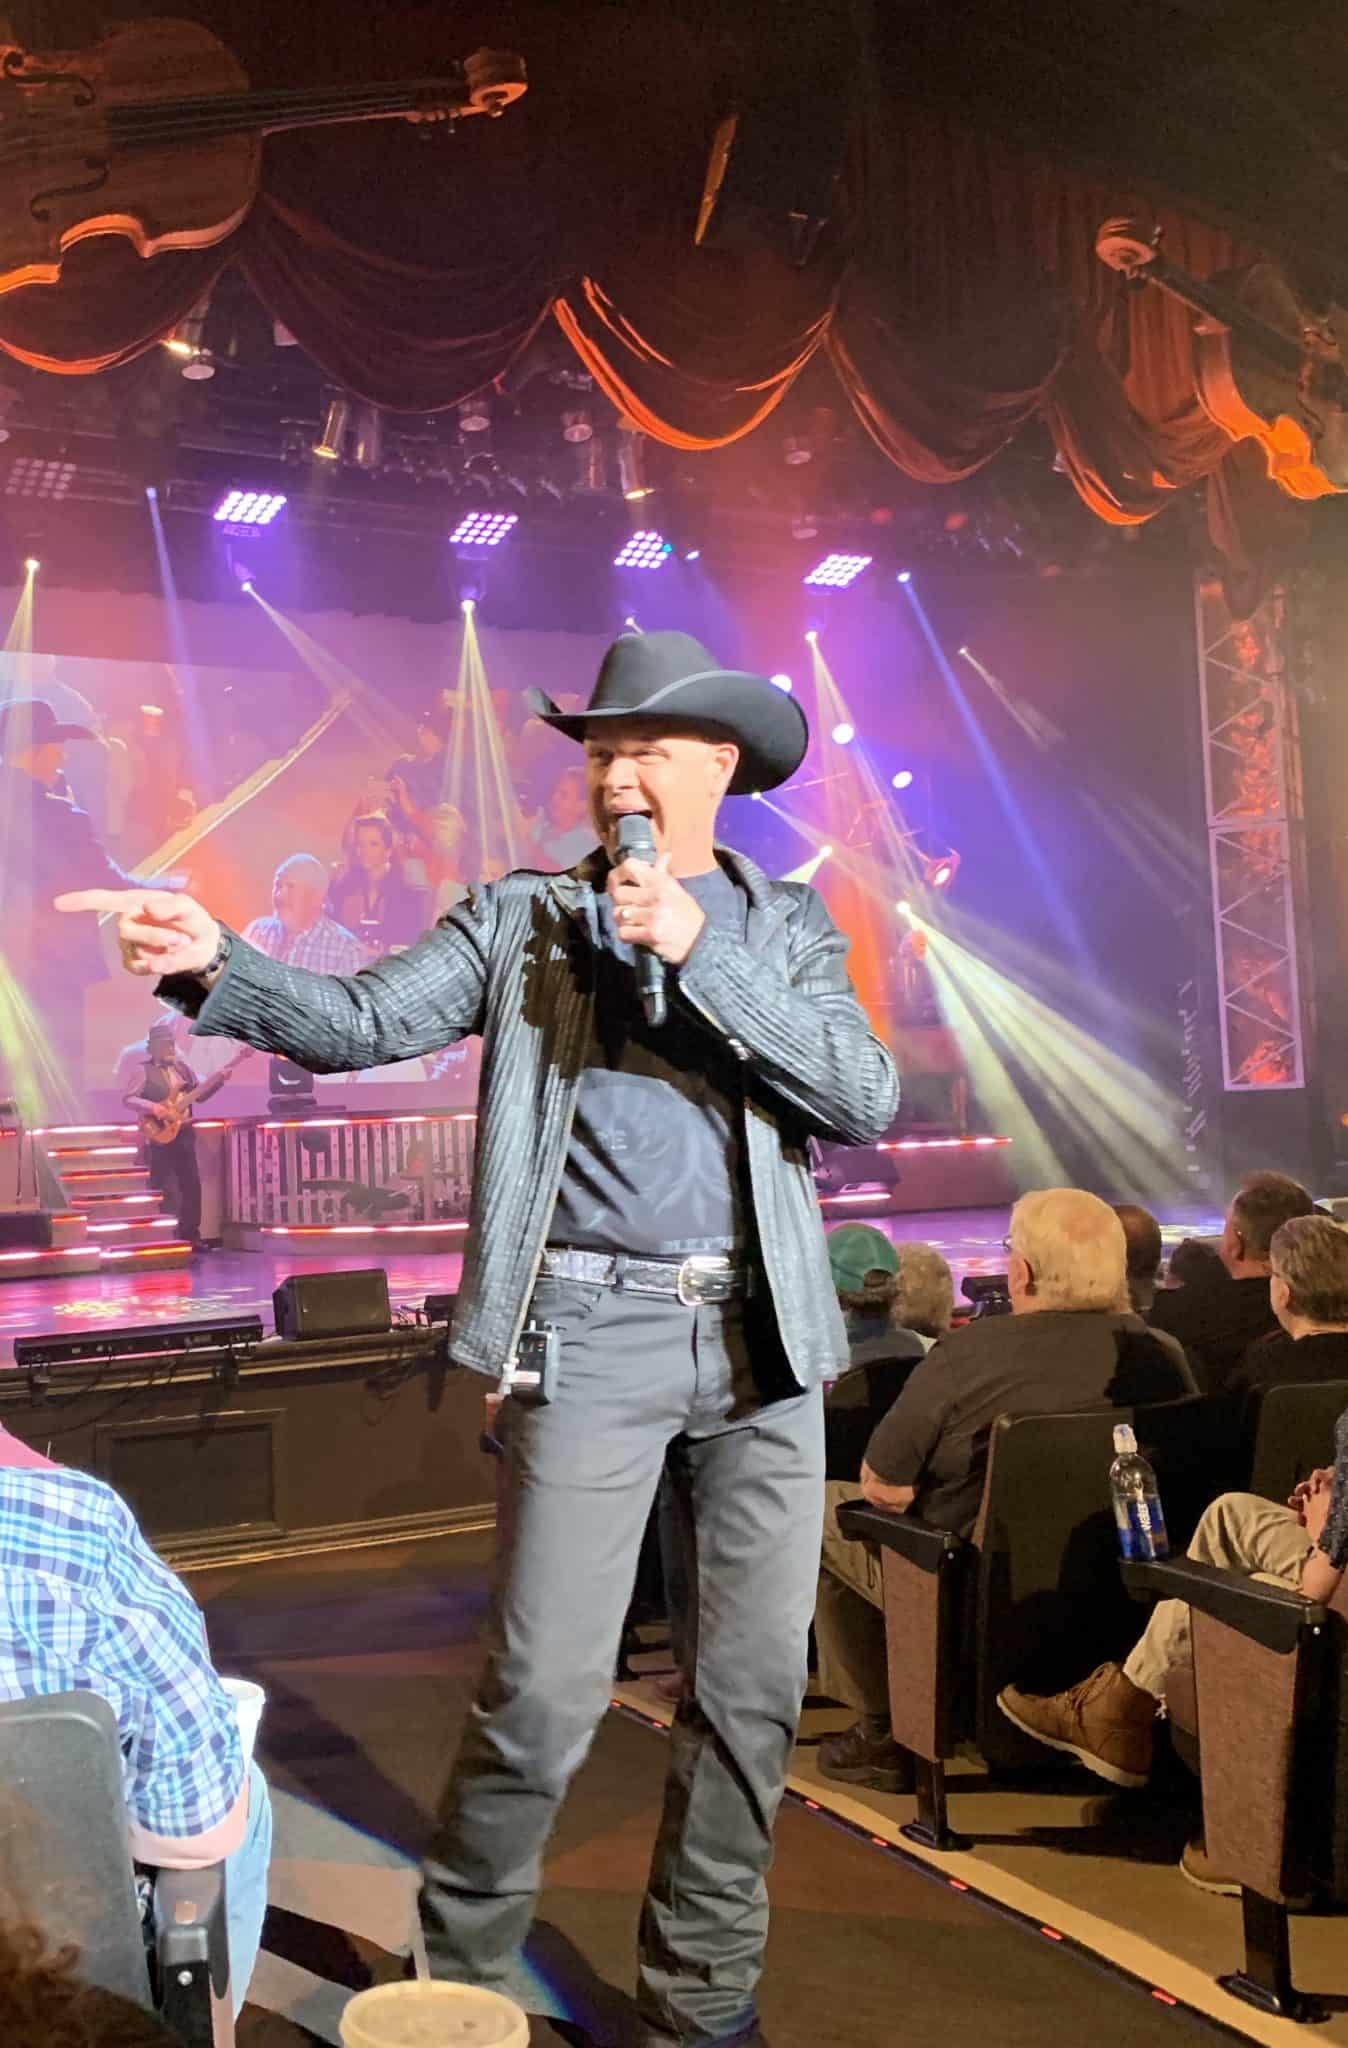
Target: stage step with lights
column 122, row 1216
column 904, row 1175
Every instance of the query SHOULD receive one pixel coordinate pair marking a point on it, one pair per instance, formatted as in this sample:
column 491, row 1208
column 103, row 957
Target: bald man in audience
column 1071, row 1341
column 300, row 933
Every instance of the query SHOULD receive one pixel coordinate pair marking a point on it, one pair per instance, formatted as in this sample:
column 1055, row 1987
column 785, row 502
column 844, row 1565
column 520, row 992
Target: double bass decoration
column 154, row 134
column 1265, row 369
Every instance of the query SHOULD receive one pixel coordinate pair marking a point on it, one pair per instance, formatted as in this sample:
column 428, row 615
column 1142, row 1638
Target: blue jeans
column 246, row 1889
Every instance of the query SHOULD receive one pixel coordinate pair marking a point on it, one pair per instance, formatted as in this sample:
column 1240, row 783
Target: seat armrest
column 1274, row 1616
column 192, row 1953
column 909, row 1535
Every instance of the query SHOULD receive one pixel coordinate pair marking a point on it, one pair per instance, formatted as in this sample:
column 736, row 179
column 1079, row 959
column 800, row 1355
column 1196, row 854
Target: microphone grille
column 635, row 835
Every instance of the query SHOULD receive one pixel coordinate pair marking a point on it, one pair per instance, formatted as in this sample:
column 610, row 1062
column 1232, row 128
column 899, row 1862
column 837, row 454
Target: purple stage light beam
column 836, row 571
column 644, row 549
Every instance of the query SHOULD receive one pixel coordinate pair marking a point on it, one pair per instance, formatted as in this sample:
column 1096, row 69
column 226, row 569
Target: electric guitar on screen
column 161, row 1125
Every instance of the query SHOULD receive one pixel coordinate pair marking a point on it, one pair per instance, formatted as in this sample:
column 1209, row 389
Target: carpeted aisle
column 368, row 1660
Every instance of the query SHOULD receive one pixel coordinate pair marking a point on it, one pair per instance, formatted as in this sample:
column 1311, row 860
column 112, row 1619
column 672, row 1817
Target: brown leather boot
column 1106, row 1722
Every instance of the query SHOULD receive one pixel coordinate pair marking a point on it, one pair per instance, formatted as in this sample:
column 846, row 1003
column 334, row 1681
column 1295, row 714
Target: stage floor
column 241, row 1283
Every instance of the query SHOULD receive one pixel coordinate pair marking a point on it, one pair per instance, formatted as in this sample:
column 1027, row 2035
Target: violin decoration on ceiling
column 1265, row 368
column 154, row 134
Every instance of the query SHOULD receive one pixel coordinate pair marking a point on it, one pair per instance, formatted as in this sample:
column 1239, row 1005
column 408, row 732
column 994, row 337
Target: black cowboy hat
column 671, row 675
column 31, row 722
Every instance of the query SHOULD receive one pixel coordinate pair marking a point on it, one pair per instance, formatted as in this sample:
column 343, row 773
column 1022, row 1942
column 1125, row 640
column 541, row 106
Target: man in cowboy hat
column 47, row 844
column 646, row 1241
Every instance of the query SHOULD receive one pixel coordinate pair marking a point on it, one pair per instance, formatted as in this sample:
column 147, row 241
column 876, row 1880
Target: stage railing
column 292, row 1172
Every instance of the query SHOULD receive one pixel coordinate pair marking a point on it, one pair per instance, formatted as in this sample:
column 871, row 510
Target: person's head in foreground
column 1261, row 1203
column 1067, row 1251
column 865, row 1266
column 1308, row 1277
column 1142, row 1234
column 924, row 1299
column 43, row 2004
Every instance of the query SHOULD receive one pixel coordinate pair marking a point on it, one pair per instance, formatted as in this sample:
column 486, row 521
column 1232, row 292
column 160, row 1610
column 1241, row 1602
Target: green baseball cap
column 856, row 1249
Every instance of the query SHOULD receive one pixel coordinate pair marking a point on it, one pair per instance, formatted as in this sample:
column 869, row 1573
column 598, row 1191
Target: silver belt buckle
column 701, row 1267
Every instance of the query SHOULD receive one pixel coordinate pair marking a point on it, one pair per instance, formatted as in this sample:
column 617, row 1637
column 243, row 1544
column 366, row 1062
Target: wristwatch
column 221, row 958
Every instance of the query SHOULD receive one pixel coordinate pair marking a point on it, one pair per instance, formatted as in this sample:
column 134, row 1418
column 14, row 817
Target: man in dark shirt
column 1216, row 1321
column 1070, row 1342
column 1308, row 1289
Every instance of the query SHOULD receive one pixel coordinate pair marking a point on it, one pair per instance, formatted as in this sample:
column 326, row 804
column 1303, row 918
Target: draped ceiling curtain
column 957, row 297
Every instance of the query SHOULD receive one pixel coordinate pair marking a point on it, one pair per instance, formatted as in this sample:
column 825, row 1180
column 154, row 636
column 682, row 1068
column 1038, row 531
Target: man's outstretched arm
column 396, row 1009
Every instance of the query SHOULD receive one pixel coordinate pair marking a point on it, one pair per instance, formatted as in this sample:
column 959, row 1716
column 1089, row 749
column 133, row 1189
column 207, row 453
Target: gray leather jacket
column 513, row 962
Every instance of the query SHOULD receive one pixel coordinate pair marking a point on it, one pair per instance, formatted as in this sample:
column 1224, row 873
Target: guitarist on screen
column 162, row 1098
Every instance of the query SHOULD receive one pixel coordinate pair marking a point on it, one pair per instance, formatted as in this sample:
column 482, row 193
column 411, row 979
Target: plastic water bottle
column 1137, row 1504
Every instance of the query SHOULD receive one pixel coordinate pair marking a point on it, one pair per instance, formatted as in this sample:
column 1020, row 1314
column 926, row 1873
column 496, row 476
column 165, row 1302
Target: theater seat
column 1290, row 1429
column 1033, row 1598
column 1264, row 1712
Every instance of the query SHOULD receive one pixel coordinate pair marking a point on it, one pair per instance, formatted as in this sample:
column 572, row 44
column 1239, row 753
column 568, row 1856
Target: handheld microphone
column 636, row 841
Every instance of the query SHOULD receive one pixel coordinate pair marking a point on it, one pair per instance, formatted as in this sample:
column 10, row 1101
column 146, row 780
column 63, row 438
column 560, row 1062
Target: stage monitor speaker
column 332, row 1305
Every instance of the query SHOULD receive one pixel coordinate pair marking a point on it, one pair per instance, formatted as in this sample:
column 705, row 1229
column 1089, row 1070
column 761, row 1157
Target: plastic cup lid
column 431, row 2014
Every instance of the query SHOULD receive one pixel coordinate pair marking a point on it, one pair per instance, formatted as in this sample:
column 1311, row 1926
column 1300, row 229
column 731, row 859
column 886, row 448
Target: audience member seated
column 925, row 1301
column 1108, row 1721
column 299, row 932
column 1195, row 1262
column 1142, row 1234
column 44, row 2005
column 371, row 897
column 1070, row 1342
column 422, row 773
column 89, row 1607
column 1216, row 1322
column 565, row 831
column 1308, row 1288
column 865, row 1268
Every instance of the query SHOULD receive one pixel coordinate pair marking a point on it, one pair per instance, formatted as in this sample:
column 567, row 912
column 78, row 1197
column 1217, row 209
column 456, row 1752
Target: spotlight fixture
column 367, row 447
column 644, row 549
column 336, row 421
column 904, row 907
column 32, row 476
column 783, row 682
column 836, row 571
column 468, row 605
column 843, row 734
column 904, row 576
column 247, row 510
column 691, row 554
column 903, row 780
column 32, row 564
column 631, row 624
column 577, row 427
column 812, row 634
column 475, row 414
column 756, row 796
column 185, row 343
column 796, row 451
column 964, row 651
column 940, row 871
column 632, row 464
column 247, row 587
column 483, row 529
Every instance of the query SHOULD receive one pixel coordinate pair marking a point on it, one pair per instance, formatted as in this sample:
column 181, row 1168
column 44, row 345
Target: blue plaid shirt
column 85, row 1604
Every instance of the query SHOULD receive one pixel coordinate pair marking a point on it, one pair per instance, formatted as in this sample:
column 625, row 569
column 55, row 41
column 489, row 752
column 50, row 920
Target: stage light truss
column 483, row 529
column 644, row 549
column 33, row 476
column 836, row 571
column 245, row 511
column 1253, row 805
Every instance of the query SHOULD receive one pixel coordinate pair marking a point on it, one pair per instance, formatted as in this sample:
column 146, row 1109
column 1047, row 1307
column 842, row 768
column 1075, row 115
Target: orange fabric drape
column 956, row 294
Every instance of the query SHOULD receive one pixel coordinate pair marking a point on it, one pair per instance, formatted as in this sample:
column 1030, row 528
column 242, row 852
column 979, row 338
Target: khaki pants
column 1240, row 1532
column 849, row 1620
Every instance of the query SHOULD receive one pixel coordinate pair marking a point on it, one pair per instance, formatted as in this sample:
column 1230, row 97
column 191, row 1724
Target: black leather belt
column 705, row 1276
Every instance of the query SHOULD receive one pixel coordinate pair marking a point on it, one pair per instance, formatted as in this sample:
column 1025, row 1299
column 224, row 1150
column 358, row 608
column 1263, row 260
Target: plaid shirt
column 86, row 1605
column 326, row 948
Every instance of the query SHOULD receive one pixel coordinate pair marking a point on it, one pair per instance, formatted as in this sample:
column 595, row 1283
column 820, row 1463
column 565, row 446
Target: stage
column 231, row 1283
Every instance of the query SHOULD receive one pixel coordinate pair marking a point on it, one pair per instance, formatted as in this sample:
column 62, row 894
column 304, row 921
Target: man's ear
column 727, row 759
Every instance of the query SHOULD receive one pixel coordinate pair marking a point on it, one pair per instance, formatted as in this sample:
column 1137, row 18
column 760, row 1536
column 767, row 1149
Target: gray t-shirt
column 655, row 1162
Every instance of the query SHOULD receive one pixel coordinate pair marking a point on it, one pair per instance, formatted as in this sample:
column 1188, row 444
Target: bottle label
column 1142, row 1532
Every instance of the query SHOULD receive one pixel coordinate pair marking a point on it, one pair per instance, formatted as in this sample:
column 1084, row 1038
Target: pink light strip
column 357, row 1229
